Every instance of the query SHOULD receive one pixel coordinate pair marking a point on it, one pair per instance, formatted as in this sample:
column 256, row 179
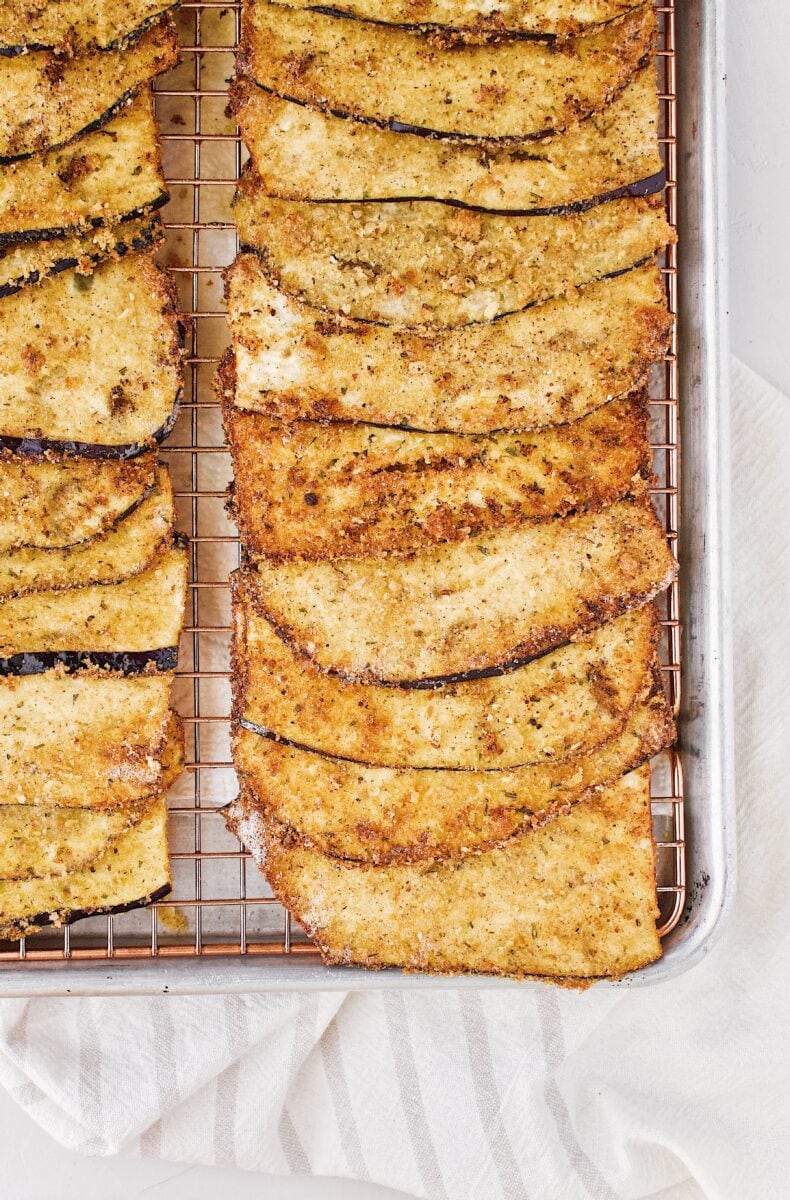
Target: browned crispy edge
column 418, row 852
column 412, row 537
column 343, row 958
column 320, row 103
column 292, row 405
column 597, row 613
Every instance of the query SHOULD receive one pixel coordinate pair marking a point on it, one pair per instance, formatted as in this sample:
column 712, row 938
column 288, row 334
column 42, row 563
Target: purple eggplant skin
column 641, row 187
column 49, row 235
column 123, row 662
column 146, row 241
column 105, row 117
column 271, row 736
column 38, row 447
column 41, row 920
column 444, row 31
column 124, row 42
column 436, row 135
column 432, row 683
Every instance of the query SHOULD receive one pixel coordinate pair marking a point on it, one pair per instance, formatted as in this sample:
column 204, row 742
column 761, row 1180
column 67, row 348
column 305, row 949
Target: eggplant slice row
column 73, row 25
column 132, row 872
column 303, row 154
column 92, row 360
column 121, row 621
column 575, row 898
column 434, row 266
column 558, row 706
column 40, row 842
column 46, row 100
column 111, row 175
column 306, row 491
column 23, row 264
column 381, row 815
column 403, row 80
column 57, row 501
column 124, row 551
column 478, row 19
column 551, row 363
column 474, row 606
column 92, row 740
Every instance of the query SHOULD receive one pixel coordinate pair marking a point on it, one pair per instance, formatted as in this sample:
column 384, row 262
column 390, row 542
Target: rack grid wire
column 220, row 904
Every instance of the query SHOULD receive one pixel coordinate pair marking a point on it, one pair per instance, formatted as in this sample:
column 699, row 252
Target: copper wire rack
column 220, row 904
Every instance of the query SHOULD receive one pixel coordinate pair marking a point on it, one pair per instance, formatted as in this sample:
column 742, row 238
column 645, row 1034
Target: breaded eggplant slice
column 573, row 899
column 494, row 599
column 380, row 815
column 304, row 154
column 131, row 626
column 46, row 99
column 562, row 704
column 60, row 500
column 431, row 265
column 132, row 872
column 125, row 550
column 72, row 25
column 92, row 360
column 111, row 175
column 305, row 490
column 481, row 19
column 26, row 263
column 92, row 740
column 402, row 79
column 552, row 363
column 36, row 842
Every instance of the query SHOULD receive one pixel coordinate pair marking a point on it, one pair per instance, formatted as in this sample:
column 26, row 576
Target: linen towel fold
column 530, row 1094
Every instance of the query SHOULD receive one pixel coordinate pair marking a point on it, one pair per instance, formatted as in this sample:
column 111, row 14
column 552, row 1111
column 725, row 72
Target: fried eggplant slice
column 111, row 175
column 25, row 263
column 552, row 363
column 380, row 815
column 402, row 79
column 431, row 265
column 573, row 899
column 72, row 25
column 92, row 359
column 305, row 490
column 126, row 550
column 562, row 704
column 37, row 842
column 304, row 154
column 58, row 500
column 480, row 19
column 132, row 872
column 92, row 740
column 477, row 605
column 117, row 620
column 46, row 99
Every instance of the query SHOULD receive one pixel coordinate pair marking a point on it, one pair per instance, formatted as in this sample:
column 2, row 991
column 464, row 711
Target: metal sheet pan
column 226, row 933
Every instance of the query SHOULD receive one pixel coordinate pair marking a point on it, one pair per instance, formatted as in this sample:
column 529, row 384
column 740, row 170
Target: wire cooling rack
column 220, row 904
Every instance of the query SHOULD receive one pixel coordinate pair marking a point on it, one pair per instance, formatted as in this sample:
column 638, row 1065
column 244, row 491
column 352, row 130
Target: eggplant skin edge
column 392, row 125
column 19, row 929
column 639, row 188
column 91, row 127
column 148, row 238
column 38, row 447
column 51, row 234
column 124, row 662
column 461, row 34
column 10, row 50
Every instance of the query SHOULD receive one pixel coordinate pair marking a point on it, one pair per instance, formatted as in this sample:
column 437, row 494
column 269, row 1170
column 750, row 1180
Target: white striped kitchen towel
column 531, row 1094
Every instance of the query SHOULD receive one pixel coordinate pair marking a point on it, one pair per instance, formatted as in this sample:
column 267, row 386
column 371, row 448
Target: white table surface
column 35, row 1167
